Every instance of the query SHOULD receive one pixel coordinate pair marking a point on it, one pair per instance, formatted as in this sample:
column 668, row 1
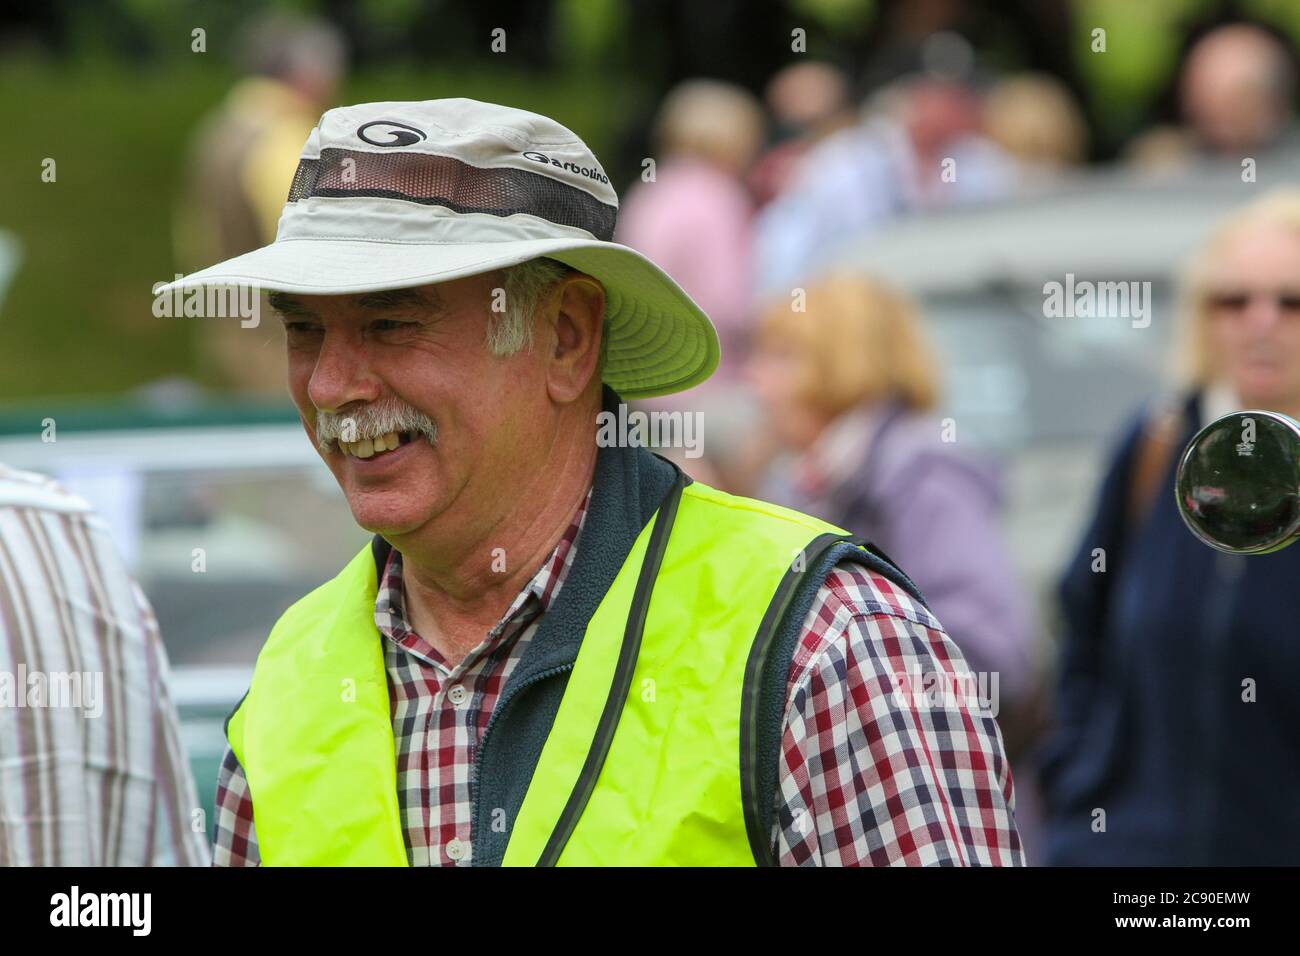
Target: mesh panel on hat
column 445, row 181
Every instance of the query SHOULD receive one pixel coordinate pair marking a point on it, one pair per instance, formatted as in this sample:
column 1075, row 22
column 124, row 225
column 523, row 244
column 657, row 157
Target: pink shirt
column 694, row 222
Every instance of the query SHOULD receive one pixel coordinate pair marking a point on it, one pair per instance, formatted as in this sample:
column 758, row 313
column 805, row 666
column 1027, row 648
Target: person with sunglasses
column 1178, row 728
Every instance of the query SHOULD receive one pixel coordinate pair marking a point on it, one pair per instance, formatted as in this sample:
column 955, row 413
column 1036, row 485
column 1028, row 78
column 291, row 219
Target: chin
column 1264, row 392
column 386, row 518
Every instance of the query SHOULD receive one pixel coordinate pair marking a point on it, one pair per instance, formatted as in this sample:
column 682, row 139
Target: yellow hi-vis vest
column 643, row 762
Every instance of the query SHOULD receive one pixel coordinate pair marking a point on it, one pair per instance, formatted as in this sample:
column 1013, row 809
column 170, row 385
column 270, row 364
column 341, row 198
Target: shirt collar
column 1220, row 399
column 540, row 592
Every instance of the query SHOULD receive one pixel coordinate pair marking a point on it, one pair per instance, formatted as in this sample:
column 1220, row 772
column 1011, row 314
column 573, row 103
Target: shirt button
column 457, row 850
column 457, row 695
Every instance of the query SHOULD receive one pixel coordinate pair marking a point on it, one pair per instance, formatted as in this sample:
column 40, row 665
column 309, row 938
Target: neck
column 460, row 579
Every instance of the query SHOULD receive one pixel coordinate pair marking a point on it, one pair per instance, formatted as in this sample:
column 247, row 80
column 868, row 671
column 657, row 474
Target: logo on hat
column 399, row 134
column 591, row 172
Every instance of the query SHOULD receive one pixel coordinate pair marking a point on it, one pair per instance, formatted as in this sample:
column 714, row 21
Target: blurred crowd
column 1137, row 747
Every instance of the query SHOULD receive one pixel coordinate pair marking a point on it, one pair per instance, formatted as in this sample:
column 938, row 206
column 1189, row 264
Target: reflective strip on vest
column 321, row 768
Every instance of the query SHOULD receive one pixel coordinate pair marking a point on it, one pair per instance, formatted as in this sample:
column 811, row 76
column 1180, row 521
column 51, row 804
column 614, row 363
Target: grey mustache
column 370, row 422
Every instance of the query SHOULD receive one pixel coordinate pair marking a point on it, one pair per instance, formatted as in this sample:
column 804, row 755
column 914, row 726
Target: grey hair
column 524, row 285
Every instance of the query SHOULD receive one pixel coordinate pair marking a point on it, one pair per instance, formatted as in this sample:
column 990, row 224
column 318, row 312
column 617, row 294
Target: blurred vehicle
column 224, row 514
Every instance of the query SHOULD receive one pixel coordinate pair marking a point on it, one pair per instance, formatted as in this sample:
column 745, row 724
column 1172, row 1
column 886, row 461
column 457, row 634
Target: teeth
column 369, row 447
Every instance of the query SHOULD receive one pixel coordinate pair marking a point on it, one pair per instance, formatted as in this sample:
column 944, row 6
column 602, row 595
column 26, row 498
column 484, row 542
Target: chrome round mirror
column 1238, row 483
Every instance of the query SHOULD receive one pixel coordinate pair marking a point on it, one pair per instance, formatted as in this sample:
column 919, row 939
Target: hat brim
column 658, row 340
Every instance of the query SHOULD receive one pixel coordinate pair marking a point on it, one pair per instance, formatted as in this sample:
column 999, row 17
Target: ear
column 577, row 324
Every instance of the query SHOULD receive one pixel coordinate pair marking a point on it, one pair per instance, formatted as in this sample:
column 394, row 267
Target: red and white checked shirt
column 868, row 776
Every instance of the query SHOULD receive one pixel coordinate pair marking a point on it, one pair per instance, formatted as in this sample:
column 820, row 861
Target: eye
column 1229, row 301
column 389, row 325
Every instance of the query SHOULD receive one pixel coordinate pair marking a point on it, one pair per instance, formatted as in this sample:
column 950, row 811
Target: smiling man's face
column 360, row 365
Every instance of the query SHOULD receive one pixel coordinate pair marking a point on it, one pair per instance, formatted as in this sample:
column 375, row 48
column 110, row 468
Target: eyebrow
column 390, row 299
column 384, row 300
column 286, row 304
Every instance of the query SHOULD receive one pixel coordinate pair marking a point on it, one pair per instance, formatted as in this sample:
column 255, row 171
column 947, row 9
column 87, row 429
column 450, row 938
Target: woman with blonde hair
column 1178, row 739
column 847, row 385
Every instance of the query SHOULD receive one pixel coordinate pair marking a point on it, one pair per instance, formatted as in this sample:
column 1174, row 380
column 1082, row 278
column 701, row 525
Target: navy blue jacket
column 1153, row 729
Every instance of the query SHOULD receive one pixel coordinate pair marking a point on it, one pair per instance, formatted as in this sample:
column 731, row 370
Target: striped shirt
column 867, row 776
column 91, row 768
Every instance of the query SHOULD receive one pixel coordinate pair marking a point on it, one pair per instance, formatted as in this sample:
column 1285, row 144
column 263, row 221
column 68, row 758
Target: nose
column 342, row 375
column 1263, row 313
